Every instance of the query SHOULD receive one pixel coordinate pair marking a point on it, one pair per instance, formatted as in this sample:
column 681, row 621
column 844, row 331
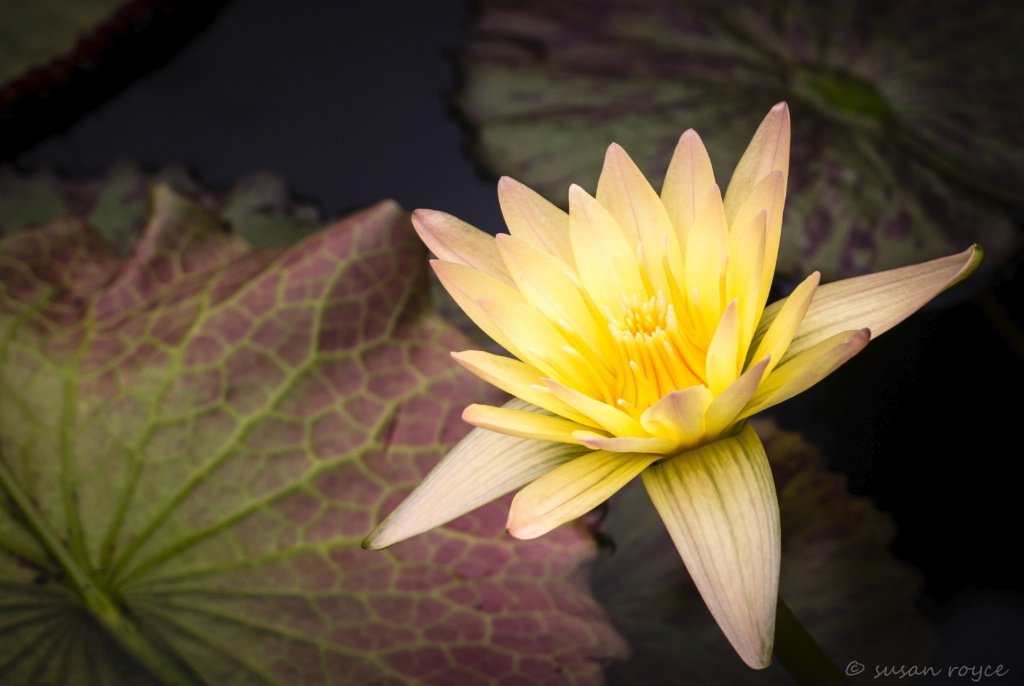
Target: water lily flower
column 641, row 343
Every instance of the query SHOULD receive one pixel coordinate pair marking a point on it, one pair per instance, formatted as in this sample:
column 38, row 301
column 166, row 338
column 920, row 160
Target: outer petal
column 453, row 240
column 805, row 370
column 719, row 505
column 481, row 467
column 572, row 490
column 875, row 301
column 533, row 219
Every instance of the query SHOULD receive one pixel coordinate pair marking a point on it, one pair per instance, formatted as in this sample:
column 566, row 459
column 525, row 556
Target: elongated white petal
column 571, row 490
column 533, row 219
column 516, row 421
column 805, row 370
column 483, row 466
column 718, row 502
column 875, row 301
column 454, row 240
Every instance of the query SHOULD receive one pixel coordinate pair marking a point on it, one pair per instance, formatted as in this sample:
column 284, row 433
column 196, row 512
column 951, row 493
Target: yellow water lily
column 641, row 343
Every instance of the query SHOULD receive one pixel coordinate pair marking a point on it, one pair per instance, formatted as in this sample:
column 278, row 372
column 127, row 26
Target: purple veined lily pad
column 906, row 116
column 195, row 438
column 838, row 576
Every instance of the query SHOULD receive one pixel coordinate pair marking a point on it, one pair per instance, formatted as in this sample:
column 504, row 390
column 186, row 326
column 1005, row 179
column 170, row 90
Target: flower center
column 651, row 361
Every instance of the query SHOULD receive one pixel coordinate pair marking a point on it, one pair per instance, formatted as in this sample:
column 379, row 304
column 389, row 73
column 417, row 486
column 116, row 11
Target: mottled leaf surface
column 195, row 439
column 907, row 143
column 838, row 577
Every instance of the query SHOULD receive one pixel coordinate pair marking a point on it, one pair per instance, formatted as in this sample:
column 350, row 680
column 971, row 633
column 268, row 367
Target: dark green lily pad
column 907, row 142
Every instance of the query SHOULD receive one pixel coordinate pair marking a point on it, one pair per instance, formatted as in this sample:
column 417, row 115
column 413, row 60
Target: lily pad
column 838, row 577
column 195, row 439
column 907, row 142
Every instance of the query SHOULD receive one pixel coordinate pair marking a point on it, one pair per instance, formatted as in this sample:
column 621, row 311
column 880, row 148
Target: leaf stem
column 800, row 654
column 121, row 627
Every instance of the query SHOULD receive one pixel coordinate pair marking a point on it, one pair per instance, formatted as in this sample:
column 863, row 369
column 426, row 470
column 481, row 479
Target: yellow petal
column 875, row 301
column 723, row 363
column 513, row 419
column 743, row 274
column 726, row 407
column 768, row 196
column 718, row 502
column 543, row 281
column 481, row 467
column 687, row 183
column 679, row 416
column 605, row 258
column 780, row 334
column 626, row 194
column 767, row 152
column 626, row 444
column 571, row 490
column 533, row 219
column 611, row 419
column 806, row 369
column 453, row 240
column 540, row 344
column 707, row 256
column 466, row 284
column 520, row 380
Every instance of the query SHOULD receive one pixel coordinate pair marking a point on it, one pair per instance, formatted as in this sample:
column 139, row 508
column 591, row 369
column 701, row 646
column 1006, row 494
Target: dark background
column 347, row 101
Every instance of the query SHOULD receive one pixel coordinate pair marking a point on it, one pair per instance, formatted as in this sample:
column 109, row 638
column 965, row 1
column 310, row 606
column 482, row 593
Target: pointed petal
column 611, row 419
column 514, row 420
column 806, row 369
column 743, row 274
column 687, row 183
column 627, row 195
column 481, row 467
column 679, row 416
column 707, row 256
column 723, row 363
column 875, row 301
column 466, row 284
column 543, row 281
column 604, row 257
column 571, row 490
column 533, row 219
column 768, row 196
column 726, row 407
column 453, row 240
column 767, row 152
column 780, row 334
column 627, row 444
column 520, row 380
column 719, row 504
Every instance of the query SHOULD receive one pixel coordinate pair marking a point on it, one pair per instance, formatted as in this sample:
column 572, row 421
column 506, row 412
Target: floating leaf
column 194, row 441
column 907, row 142
column 838, row 577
